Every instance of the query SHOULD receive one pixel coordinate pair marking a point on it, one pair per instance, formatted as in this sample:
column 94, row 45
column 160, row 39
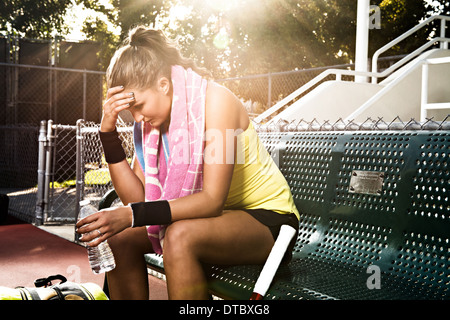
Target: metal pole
column 15, row 85
column 79, row 172
column 362, row 39
column 48, row 169
column 424, row 98
column 9, row 85
column 41, row 174
column 444, row 44
column 79, row 167
column 84, row 94
column 50, row 94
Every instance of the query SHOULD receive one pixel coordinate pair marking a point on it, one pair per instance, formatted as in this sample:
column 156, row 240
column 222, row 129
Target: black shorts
column 274, row 221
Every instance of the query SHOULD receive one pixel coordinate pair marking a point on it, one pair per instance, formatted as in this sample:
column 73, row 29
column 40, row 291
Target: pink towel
column 183, row 174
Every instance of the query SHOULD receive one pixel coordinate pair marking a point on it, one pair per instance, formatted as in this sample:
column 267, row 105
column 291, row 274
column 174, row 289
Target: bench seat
column 374, row 218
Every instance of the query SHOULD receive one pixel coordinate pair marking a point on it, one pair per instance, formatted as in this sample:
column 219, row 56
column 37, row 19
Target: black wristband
column 112, row 146
column 151, row 213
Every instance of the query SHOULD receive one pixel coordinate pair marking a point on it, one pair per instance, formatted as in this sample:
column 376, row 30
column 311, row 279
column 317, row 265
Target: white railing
column 386, row 89
column 374, row 74
column 443, row 44
column 424, row 106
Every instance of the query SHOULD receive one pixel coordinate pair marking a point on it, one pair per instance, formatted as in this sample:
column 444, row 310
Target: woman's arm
column 127, row 182
column 224, row 112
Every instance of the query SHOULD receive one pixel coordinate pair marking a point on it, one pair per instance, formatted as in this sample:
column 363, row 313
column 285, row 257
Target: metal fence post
column 424, row 97
column 48, row 169
column 79, row 167
column 84, row 94
column 443, row 44
column 40, row 201
column 79, row 173
column 50, row 94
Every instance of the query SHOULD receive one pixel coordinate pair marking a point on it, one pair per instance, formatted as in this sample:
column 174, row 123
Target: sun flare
column 77, row 14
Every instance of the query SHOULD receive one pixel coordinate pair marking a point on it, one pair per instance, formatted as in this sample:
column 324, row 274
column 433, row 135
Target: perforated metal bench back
column 366, row 199
column 373, row 198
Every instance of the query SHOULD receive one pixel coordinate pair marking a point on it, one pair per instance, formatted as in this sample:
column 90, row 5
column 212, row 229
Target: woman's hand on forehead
column 117, row 100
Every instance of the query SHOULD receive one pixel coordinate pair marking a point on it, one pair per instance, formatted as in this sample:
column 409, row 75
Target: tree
column 259, row 36
column 133, row 12
column 289, row 34
column 97, row 31
column 125, row 14
column 237, row 37
column 34, row 19
column 397, row 17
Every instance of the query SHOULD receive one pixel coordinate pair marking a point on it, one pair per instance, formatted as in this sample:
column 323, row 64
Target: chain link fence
column 369, row 124
column 72, row 168
column 94, row 176
column 260, row 92
column 30, row 94
column 18, row 168
column 42, row 79
column 61, row 144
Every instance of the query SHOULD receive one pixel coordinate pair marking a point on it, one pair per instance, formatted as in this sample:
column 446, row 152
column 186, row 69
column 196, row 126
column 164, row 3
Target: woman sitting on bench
column 201, row 189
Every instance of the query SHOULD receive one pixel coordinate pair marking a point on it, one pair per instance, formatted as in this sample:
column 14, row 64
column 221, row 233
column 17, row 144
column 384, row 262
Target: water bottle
column 100, row 257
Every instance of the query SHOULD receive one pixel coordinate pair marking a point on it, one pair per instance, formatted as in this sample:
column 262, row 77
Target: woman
column 188, row 131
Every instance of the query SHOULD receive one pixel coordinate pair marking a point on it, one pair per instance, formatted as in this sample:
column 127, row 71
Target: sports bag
column 64, row 290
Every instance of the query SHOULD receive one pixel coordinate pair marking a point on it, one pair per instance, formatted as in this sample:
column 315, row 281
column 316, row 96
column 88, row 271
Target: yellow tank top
column 257, row 183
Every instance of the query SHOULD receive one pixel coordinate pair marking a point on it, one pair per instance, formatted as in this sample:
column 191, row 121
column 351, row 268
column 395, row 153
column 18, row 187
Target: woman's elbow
column 217, row 210
column 216, row 205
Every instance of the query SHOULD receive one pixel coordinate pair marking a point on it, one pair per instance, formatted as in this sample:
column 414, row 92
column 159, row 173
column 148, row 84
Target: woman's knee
column 130, row 241
column 178, row 239
column 117, row 241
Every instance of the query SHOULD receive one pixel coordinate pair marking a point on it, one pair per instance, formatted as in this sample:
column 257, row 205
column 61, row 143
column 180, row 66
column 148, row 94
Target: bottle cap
column 85, row 202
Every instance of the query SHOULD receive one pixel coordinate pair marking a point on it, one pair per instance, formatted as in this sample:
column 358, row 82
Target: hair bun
column 137, row 36
column 142, row 36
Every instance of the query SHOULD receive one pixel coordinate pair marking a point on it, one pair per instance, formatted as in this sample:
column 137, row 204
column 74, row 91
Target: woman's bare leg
column 129, row 280
column 235, row 237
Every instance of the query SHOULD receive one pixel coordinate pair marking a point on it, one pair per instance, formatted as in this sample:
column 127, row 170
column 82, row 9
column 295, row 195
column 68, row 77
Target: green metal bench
column 375, row 218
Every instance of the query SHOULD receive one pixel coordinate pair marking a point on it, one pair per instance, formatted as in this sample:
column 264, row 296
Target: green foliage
column 33, row 19
column 236, row 37
column 97, row 30
column 136, row 12
column 397, row 17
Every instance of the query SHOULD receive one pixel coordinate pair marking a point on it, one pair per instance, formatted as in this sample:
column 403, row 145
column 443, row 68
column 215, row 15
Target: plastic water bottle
column 100, row 257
